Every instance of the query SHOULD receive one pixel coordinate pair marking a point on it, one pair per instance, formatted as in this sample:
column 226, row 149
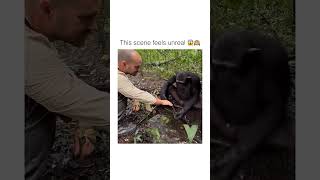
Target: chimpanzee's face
column 234, row 59
column 240, row 64
column 225, row 67
column 226, row 74
column 235, row 77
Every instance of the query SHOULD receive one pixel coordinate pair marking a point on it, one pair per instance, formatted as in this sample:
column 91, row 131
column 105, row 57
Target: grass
column 166, row 62
column 275, row 18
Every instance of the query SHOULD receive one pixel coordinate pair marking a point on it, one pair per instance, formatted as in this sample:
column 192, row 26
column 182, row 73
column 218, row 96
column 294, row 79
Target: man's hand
column 166, row 103
column 135, row 105
column 163, row 102
column 84, row 141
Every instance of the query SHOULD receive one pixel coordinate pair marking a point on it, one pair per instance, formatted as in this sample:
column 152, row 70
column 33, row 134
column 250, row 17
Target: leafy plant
column 164, row 120
column 154, row 132
column 137, row 139
column 191, row 131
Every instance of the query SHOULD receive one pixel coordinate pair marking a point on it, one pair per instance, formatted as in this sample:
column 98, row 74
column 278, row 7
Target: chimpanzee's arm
column 196, row 86
column 165, row 87
column 173, row 92
column 253, row 134
column 218, row 123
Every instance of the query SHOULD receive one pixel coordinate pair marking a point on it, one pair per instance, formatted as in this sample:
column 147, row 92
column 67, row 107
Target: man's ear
column 46, row 7
column 122, row 63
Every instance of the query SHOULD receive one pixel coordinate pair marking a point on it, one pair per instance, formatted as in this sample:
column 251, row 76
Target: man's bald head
column 67, row 20
column 125, row 54
column 55, row 3
column 33, row 6
column 129, row 61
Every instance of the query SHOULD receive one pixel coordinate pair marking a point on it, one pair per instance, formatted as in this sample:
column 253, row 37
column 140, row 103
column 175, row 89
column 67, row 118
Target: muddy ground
column 159, row 125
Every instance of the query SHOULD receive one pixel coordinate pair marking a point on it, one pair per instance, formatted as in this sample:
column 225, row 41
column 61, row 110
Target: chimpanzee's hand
column 179, row 115
column 225, row 166
column 163, row 96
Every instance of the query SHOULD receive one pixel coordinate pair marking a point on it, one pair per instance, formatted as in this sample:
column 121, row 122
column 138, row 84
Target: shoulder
column 122, row 76
column 37, row 46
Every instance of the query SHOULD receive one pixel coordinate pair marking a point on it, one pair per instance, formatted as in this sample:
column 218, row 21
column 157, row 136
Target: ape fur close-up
column 249, row 90
column 186, row 91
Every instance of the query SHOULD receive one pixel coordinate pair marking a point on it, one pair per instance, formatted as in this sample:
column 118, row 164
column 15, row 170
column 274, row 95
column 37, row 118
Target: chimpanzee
column 249, row 90
column 186, row 92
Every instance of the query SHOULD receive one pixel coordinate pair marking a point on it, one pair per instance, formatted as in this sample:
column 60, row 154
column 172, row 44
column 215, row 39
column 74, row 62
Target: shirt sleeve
column 126, row 88
column 50, row 83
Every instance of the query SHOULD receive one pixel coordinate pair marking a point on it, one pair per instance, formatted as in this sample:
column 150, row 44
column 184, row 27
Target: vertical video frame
column 159, row 96
column 252, row 90
column 67, row 89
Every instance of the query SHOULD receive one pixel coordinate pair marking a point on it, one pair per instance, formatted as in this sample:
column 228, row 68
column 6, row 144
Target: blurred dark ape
column 185, row 88
column 249, row 90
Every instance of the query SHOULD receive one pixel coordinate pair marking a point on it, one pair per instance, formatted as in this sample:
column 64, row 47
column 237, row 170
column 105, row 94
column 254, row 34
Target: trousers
column 40, row 125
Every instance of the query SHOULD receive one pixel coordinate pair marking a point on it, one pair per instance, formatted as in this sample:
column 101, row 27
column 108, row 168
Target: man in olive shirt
column 50, row 87
column 129, row 62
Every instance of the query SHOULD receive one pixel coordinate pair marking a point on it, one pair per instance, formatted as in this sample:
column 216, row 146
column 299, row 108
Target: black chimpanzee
column 249, row 90
column 186, row 93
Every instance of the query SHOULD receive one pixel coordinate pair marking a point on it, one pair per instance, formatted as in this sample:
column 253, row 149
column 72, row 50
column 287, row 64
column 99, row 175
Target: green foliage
column 154, row 133
column 191, row 131
column 276, row 18
column 137, row 138
column 164, row 120
column 166, row 62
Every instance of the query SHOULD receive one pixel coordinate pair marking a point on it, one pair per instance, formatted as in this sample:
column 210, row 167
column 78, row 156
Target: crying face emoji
column 190, row 42
column 196, row 43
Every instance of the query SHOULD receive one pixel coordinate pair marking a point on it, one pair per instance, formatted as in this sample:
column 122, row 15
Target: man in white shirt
column 51, row 88
column 129, row 62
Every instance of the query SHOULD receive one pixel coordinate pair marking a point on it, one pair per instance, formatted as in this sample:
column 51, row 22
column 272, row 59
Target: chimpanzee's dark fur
column 186, row 92
column 249, row 90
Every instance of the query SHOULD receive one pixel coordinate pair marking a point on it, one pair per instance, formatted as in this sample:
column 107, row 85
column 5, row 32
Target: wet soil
column 158, row 126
